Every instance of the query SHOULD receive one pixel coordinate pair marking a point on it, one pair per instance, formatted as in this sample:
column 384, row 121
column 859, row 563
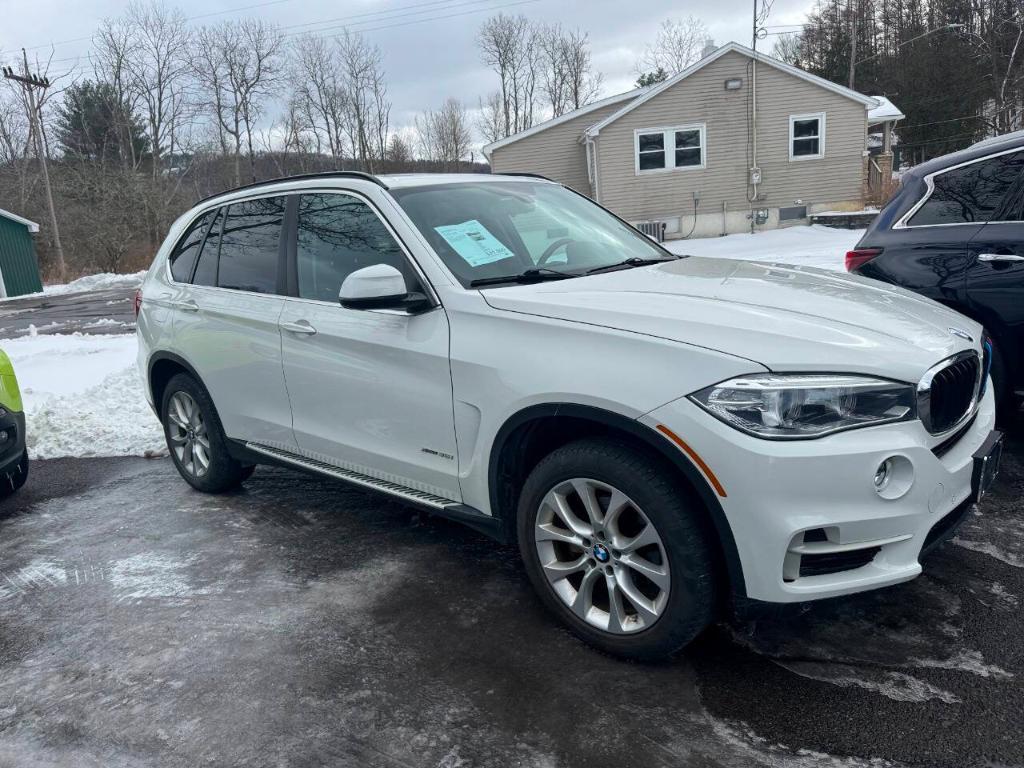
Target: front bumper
column 12, row 439
column 805, row 515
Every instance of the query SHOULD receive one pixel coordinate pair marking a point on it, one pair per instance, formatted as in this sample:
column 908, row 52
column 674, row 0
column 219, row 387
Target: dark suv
column 955, row 233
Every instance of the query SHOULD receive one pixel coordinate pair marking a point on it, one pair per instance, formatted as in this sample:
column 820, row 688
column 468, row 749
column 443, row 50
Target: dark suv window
column 184, row 257
column 206, row 269
column 338, row 234
column 250, row 249
column 974, row 193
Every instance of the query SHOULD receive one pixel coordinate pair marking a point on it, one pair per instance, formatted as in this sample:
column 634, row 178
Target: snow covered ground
column 83, row 396
column 813, row 246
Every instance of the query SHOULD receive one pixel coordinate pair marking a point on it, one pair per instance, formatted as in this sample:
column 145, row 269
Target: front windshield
column 494, row 229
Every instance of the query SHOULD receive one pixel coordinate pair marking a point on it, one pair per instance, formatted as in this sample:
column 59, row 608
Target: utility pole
column 853, row 42
column 29, row 83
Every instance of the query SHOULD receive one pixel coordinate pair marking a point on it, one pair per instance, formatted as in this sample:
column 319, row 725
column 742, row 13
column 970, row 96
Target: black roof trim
column 301, row 177
column 526, row 175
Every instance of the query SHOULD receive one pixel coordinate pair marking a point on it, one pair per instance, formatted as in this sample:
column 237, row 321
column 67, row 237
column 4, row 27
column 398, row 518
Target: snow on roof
column 885, row 111
column 32, row 226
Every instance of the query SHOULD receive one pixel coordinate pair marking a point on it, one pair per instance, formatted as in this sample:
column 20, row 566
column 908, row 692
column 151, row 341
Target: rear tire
column 196, row 440
column 584, row 511
column 14, row 478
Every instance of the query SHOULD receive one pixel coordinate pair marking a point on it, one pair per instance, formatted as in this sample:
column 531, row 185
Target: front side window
column 806, row 136
column 183, row 259
column 338, row 234
column 661, row 149
column 972, row 193
column 250, row 252
column 493, row 229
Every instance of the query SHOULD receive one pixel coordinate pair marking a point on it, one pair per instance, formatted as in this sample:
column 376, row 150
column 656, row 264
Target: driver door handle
column 301, row 327
column 990, row 257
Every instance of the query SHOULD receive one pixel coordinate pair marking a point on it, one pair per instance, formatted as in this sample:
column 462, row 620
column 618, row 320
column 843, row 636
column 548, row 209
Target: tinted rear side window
column 250, row 245
column 184, row 257
column 974, row 193
column 339, row 234
column 206, row 269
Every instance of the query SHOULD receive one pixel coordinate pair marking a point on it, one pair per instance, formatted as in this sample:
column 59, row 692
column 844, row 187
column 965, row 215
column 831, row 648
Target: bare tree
column 399, row 153
column 158, row 72
column 367, row 107
column 568, row 78
column 491, row 117
column 114, row 45
column 508, row 44
column 678, row 45
column 445, row 136
column 237, row 64
column 320, row 93
column 787, row 48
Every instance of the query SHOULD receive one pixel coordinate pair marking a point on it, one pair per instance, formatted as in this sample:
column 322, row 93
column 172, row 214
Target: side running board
column 449, row 508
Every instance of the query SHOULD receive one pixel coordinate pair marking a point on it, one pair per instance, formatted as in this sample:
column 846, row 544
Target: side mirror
column 380, row 287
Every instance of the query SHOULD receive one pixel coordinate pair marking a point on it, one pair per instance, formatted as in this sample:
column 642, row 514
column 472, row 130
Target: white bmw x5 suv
column 661, row 435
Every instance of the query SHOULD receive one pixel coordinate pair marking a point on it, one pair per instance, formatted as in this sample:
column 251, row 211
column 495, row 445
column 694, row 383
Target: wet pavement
column 299, row 622
column 94, row 312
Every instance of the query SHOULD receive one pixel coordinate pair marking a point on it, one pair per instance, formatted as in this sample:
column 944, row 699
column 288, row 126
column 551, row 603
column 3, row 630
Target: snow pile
column 83, row 396
column 813, row 246
column 105, row 281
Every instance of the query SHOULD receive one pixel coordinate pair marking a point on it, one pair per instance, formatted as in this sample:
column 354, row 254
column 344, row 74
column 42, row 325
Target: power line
column 337, row 27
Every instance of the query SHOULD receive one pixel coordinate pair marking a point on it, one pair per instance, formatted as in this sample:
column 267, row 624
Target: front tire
column 616, row 548
column 196, row 440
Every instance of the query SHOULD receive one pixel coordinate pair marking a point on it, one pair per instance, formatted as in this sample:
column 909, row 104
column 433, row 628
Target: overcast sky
column 427, row 58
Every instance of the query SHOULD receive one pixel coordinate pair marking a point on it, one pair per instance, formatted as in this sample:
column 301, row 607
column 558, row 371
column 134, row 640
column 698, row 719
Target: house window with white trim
column 807, row 136
column 669, row 149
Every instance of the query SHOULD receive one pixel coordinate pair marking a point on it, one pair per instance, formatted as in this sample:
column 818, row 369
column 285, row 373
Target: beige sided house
column 693, row 155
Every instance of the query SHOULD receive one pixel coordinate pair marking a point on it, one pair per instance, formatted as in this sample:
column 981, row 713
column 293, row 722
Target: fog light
column 3, row 435
column 882, row 475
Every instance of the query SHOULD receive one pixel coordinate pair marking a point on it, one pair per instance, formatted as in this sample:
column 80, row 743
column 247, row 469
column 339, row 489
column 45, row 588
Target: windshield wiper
column 532, row 275
column 633, row 261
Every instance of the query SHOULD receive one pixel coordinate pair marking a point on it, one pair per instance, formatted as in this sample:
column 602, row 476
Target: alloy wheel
column 602, row 556
column 187, row 433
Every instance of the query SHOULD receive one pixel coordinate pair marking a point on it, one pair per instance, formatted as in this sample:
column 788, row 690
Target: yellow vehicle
column 13, row 453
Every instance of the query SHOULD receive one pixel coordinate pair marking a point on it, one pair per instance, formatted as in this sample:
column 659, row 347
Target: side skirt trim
column 448, row 508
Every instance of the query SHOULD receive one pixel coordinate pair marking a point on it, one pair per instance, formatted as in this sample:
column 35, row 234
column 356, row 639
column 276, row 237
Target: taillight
column 138, row 303
column 859, row 257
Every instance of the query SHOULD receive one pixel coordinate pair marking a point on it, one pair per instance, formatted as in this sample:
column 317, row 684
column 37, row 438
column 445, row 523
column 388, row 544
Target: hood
column 784, row 317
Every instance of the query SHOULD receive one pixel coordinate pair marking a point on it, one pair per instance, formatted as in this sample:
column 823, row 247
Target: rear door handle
column 301, row 327
column 990, row 257
column 184, row 306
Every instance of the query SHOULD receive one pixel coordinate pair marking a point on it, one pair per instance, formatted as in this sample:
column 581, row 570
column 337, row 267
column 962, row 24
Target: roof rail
column 526, row 175
column 300, row 177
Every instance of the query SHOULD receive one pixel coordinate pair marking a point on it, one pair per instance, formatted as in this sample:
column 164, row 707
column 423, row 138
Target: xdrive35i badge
column 961, row 333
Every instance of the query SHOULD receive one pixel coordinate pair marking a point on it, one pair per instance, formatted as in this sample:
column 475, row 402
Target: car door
column 226, row 320
column 370, row 390
column 995, row 275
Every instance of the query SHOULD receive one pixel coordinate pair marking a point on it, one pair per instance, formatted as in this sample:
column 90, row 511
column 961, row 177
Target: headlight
column 803, row 406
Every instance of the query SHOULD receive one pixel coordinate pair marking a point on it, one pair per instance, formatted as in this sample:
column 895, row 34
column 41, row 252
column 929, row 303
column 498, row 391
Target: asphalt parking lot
column 299, row 622
column 93, row 312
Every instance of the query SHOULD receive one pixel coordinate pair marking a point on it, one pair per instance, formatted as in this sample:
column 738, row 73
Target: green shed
column 19, row 269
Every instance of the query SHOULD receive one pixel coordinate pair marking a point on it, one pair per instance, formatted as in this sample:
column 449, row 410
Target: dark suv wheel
column 195, row 438
column 615, row 548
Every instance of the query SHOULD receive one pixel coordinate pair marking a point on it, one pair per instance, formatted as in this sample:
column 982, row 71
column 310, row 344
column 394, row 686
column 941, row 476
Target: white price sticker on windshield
column 474, row 243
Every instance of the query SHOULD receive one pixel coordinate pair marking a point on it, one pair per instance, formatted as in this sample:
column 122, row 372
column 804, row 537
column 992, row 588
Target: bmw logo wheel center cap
column 601, row 553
